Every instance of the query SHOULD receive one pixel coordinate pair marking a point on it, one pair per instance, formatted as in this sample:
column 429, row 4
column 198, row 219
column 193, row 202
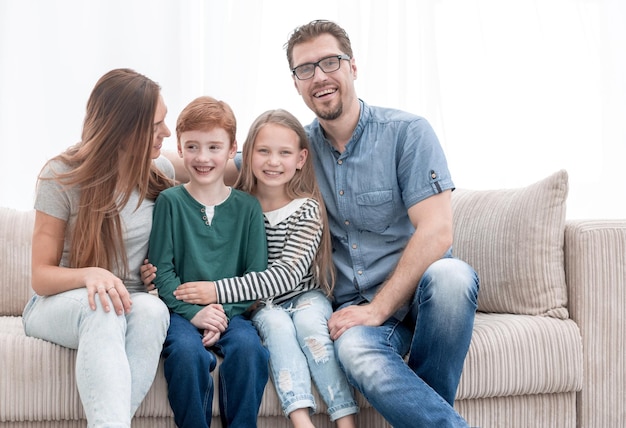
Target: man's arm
column 432, row 219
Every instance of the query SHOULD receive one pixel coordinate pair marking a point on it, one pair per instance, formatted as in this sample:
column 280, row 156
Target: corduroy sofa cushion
column 514, row 240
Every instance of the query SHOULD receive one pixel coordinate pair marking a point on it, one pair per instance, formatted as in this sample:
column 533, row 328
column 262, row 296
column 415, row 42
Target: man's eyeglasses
column 327, row 65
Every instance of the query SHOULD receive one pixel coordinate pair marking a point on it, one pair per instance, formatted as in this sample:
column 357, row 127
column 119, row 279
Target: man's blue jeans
column 242, row 374
column 435, row 334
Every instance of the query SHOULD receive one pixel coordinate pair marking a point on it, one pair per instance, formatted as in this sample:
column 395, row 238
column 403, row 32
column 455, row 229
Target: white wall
column 515, row 90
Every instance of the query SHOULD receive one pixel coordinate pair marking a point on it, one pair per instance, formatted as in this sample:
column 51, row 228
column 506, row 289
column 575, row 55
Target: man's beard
column 329, row 114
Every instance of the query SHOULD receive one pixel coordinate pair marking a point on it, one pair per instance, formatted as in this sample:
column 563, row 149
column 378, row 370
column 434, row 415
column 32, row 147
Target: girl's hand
column 197, row 293
column 148, row 273
column 101, row 282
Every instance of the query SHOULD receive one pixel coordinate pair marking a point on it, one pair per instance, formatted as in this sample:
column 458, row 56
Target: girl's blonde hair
column 302, row 185
column 112, row 160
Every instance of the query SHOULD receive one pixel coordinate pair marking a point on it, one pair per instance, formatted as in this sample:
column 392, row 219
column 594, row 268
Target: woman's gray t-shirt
column 62, row 202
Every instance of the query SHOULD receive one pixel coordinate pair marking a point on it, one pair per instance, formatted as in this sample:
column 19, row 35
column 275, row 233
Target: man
column 387, row 188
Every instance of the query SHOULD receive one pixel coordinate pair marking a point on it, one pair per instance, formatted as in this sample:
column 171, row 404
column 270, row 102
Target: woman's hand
column 101, row 282
column 148, row 273
column 197, row 293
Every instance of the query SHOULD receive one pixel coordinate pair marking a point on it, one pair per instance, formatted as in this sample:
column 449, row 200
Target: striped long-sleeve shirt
column 293, row 237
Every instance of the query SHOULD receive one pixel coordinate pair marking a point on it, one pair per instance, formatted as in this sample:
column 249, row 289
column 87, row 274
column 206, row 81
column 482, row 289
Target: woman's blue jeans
column 435, row 334
column 117, row 356
column 296, row 335
column 243, row 373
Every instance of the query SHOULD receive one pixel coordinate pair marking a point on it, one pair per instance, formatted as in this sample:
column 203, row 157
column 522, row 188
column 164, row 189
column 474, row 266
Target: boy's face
column 205, row 154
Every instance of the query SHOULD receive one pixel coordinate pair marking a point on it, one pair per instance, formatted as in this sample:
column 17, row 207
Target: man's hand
column 148, row 273
column 351, row 316
column 197, row 293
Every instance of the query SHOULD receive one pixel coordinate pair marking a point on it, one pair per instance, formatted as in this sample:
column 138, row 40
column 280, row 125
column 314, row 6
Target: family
column 319, row 255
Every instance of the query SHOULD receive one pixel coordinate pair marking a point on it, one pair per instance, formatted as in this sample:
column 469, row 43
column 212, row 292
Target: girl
column 92, row 224
column 292, row 311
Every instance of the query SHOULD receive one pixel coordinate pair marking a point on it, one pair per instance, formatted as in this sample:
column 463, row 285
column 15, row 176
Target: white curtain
column 516, row 89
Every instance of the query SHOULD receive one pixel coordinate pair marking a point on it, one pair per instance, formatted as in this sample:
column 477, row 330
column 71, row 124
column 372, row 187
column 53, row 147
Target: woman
column 93, row 218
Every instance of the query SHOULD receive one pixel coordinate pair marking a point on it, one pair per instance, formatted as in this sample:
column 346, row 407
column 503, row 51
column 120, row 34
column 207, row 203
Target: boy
column 205, row 230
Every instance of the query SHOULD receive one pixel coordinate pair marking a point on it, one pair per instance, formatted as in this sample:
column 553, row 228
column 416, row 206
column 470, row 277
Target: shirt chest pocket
column 375, row 210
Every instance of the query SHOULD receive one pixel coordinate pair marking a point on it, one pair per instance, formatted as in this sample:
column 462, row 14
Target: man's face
column 326, row 94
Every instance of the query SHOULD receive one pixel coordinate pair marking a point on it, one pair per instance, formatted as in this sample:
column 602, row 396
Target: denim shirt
column 393, row 161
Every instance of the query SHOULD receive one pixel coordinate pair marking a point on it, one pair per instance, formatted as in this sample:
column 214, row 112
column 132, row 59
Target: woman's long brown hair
column 302, row 185
column 112, row 160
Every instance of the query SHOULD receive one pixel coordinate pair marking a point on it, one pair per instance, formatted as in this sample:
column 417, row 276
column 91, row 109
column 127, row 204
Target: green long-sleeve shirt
column 185, row 247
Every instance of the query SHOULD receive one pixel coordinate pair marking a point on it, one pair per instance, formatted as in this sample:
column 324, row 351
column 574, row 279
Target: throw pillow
column 513, row 238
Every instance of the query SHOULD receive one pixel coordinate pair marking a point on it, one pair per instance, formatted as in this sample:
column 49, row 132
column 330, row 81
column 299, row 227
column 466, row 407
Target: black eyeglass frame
column 317, row 64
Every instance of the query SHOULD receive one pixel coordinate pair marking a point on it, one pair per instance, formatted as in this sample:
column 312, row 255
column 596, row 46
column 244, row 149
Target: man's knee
column 450, row 279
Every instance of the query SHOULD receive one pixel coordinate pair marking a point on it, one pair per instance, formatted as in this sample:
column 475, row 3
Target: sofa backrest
column 16, row 229
column 513, row 238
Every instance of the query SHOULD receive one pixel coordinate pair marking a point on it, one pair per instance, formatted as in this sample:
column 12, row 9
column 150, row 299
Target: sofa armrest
column 595, row 271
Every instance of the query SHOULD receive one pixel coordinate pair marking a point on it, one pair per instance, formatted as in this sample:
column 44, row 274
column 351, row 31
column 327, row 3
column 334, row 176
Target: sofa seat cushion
column 37, row 382
column 509, row 355
column 513, row 355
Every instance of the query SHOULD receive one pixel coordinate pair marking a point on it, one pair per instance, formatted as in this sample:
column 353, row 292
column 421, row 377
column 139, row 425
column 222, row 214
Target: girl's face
column 205, row 154
column 276, row 156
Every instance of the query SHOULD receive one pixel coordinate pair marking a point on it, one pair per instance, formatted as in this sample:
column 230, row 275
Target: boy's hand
column 148, row 273
column 197, row 293
column 210, row 338
column 211, row 317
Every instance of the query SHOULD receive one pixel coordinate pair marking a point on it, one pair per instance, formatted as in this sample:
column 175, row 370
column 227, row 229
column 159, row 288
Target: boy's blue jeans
column 435, row 334
column 242, row 374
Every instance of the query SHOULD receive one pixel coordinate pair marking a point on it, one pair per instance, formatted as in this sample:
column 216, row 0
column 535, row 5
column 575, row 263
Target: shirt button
column 340, row 162
column 341, row 192
column 360, row 272
column 433, row 175
column 202, row 210
column 347, row 222
column 354, row 246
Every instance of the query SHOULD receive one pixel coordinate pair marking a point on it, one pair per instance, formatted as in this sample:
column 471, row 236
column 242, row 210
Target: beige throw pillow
column 514, row 240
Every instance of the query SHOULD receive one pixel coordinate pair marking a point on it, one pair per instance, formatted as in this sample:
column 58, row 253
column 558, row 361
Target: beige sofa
column 547, row 344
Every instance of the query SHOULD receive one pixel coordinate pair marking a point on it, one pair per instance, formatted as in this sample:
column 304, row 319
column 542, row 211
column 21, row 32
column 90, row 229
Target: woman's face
column 161, row 130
